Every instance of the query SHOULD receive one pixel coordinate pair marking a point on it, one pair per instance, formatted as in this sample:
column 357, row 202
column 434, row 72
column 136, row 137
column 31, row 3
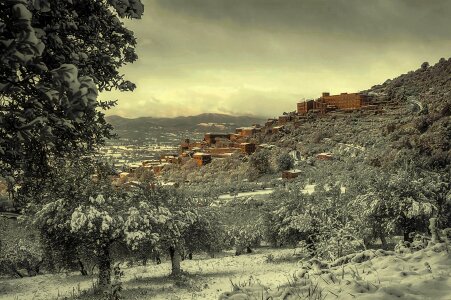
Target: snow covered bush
column 21, row 252
column 244, row 237
column 205, row 234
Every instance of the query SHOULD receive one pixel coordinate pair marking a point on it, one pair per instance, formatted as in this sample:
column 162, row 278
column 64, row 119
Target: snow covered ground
column 309, row 188
column 425, row 274
column 246, row 194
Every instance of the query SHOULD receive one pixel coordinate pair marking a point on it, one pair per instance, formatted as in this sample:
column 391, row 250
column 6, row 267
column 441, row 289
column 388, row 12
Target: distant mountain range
column 205, row 122
column 171, row 131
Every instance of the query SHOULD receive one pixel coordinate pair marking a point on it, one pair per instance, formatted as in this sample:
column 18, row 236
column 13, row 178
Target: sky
column 261, row 57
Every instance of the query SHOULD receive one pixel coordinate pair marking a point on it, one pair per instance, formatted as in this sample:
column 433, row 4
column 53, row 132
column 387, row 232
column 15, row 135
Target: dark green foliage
column 259, row 163
column 55, row 58
column 206, row 234
column 21, row 253
column 284, row 162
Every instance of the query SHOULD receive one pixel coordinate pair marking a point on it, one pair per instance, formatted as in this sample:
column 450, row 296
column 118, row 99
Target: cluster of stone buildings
column 327, row 103
column 221, row 145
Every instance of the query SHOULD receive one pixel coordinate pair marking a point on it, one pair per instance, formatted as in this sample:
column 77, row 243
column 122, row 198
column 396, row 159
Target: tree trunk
column 82, row 268
column 104, row 262
column 435, row 237
column 407, row 237
column 311, row 245
column 407, row 229
column 16, row 272
column 383, row 240
column 175, row 261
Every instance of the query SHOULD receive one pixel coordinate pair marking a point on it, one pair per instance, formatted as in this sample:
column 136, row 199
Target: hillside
column 412, row 120
column 410, row 125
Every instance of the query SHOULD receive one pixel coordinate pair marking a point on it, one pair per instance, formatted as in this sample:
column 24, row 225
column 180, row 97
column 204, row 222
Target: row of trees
column 78, row 217
column 349, row 212
column 83, row 224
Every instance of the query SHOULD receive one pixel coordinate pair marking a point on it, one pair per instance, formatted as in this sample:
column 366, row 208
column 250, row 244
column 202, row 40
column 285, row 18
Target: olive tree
column 78, row 216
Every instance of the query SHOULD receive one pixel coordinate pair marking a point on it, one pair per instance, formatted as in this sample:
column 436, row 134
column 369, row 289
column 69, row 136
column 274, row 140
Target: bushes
column 205, row 234
column 21, row 253
column 284, row 162
column 244, row 238
column 259, row 163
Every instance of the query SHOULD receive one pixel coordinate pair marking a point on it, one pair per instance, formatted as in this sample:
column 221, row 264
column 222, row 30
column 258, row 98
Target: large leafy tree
column 55, row 56
column 79, row 217
column 179, row 215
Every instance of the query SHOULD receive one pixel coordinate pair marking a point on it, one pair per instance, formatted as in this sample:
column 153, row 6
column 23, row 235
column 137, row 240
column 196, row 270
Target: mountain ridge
column 186, row 122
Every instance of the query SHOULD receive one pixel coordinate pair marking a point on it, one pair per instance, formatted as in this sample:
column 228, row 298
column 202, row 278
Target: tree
column 245, row 237
column 20, row 249
column 55, row 58
column 325, row 220
column 395, row 202
column 78, row 216
column 161, row 221
column 205, row 234
column 284, row 162
column 259, row 163
column 180, row 216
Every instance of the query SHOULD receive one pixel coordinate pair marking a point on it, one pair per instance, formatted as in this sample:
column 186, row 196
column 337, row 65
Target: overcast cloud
column 261, row 57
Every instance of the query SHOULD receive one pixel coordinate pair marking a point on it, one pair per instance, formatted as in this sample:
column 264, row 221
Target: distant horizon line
column 187, row 116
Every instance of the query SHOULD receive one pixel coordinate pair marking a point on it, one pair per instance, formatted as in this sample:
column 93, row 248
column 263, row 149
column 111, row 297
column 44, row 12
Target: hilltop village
column 243, row 141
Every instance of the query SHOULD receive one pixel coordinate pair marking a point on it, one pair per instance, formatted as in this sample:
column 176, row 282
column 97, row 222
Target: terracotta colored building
column 248, row 131
column 219, row 150
column 328, row 102
column 290, row 174
column 284, row 119
column 324, row 156
column 210, row 138
column 344, row 100
column 247, row 148
column 202, row 158
column 304, row 107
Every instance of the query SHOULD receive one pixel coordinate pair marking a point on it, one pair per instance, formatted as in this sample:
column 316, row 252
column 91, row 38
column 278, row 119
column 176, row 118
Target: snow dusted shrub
column 326, row 221
column 259, row 164
column 398, row 202
column 21, row 253
column 245, row 237
column 205, row 234
column 284, row 162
